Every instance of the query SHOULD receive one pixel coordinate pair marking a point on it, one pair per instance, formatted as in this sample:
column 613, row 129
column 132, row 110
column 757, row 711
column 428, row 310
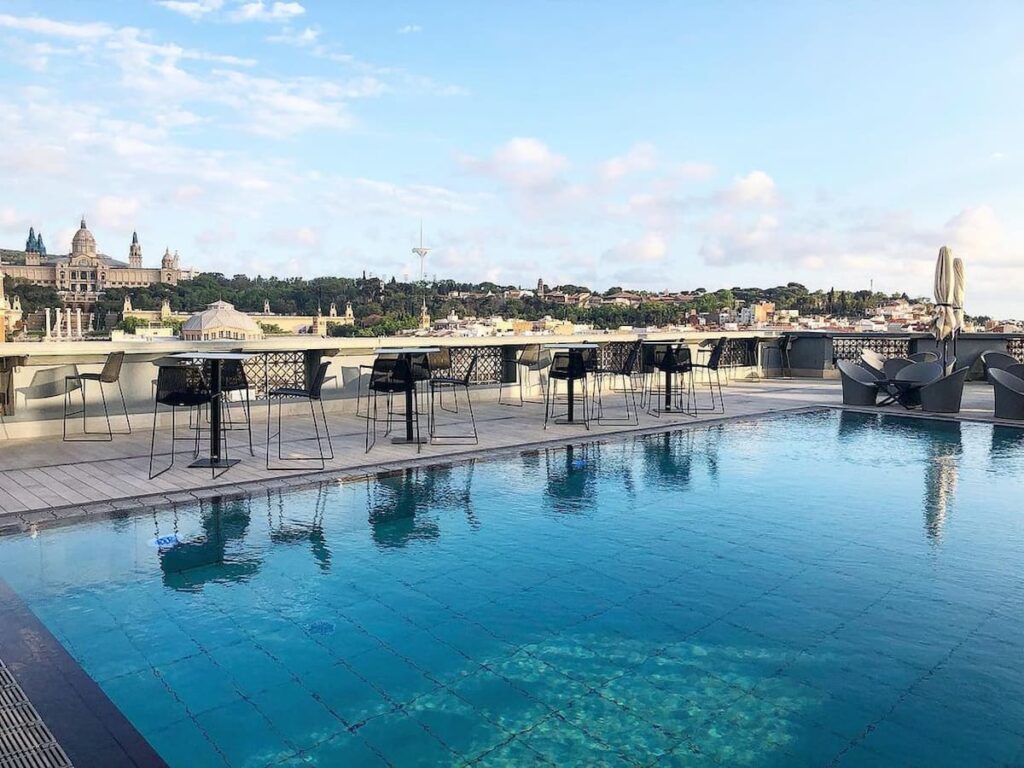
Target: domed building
column 221, row 320
column 84, row 274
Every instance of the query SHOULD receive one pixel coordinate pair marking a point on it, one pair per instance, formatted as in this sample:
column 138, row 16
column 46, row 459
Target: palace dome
column 220, row 320
column 83, row 243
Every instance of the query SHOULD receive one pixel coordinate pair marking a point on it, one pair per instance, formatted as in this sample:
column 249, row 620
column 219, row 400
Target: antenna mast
column 421, row 251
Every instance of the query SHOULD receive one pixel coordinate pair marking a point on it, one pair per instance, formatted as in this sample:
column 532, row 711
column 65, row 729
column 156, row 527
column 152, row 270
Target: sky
column 654, row 145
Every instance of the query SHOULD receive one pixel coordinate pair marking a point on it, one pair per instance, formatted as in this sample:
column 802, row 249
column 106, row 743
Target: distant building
column 82, row 275
column 10, row 311
column 220, row 320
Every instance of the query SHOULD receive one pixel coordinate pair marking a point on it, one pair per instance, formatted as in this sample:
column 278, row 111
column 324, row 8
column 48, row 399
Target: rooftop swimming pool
column 822, row 589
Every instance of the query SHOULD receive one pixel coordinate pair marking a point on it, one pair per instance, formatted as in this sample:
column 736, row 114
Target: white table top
column 570, row 345
column 663, row 342
column 406, row 350
column 213, row 355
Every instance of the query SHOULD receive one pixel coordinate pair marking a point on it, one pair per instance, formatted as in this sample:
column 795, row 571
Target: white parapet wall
column 32, row 374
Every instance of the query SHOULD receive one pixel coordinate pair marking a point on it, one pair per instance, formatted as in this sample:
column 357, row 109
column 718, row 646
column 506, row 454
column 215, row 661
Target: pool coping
column 84, row 721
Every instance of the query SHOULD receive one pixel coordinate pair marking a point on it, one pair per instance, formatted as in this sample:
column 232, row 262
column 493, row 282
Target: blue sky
column 649, row 145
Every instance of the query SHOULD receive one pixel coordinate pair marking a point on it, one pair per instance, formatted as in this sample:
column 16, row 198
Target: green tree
column 132, row 324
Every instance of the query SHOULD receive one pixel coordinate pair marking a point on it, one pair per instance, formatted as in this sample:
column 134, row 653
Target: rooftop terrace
column 47, row 483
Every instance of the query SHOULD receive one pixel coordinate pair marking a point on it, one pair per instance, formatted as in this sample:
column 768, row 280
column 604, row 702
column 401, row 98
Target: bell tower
column 135, row 252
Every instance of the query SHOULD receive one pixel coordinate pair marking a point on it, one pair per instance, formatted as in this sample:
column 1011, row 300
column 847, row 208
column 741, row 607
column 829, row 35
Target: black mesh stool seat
column 181, row 386
column 111, row 374
column 366, row 370
column 313, row 394
column 667, row 361
column 532, row 359
column 627, row 372
column 712, row 369
column 441, row 384
column 570, row 367
column 234, row 379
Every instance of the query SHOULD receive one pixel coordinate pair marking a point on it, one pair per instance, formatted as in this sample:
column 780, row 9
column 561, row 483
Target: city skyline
column 666, row 148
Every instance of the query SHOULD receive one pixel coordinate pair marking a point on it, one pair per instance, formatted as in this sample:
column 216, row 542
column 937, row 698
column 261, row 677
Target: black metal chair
column 626, row 371
column 366, row 370
column 712, row 366
column 1009, row 394
column 182, row 386
column 860, row 386
column 111, row 374
column 653, row 359
column 314, row 394
column 440, row 384
column 567, row 366
column 532, row 358
column 923, row 357
column 390, row 376
column 944, row 395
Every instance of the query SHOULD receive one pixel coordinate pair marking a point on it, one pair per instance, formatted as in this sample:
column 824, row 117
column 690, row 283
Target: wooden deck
column 45, row 480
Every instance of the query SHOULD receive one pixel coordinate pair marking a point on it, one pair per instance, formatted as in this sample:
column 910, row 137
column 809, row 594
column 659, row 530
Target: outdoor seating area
column 245, row 414
column 928, row 383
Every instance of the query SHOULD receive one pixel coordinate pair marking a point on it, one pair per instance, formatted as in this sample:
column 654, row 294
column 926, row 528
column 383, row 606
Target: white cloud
column 193, row 9
column 693, row 171
column 409, row 29
column 976, row 233
column 85, row 31
column 257, row 10
column 650, row 248
column 12, row 221
column 640, row 157
column 116, row 212
column 521, row 162
column 303, row 38
column 739, row 239
column 756, row 188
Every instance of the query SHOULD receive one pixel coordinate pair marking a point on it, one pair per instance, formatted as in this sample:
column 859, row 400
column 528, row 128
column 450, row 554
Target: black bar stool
column 182, row 386
column 111, row 374
column 313, row 394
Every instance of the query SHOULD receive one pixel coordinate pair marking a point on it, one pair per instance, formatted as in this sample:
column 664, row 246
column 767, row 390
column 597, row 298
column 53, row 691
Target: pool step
column 25, row 741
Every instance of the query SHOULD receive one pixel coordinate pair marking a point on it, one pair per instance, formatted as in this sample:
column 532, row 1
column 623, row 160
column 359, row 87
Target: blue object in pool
column 791, row 591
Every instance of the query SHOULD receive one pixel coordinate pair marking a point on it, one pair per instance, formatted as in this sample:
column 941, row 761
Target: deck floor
column 44, row 480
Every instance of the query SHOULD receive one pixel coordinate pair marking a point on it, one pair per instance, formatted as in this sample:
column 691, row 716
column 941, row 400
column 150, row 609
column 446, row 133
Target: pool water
column 823, row 589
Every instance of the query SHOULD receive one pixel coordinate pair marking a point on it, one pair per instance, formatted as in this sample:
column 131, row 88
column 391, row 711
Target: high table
column 214, row 460
column 572, row 349
column 406, row 354
column 667, row 372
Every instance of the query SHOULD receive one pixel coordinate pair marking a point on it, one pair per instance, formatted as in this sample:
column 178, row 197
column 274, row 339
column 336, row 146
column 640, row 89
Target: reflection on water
column 668, row 458
column 217, row 554
column 1007, row 445
column 941, row 470
column 852, row 423
column 571, row 478
column 399, row 504
column 287, row 529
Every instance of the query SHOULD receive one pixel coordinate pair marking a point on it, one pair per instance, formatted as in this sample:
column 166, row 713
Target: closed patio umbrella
column 959, row 289
column 945, row 318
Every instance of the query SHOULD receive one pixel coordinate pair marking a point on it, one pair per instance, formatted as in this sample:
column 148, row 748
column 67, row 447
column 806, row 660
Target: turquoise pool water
column 826, row 589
